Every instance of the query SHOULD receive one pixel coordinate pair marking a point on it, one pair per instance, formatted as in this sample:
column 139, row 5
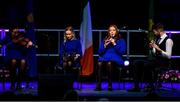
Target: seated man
column 161, row 49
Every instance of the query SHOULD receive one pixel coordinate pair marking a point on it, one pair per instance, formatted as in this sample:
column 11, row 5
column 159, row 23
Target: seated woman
column 16, row 55
column 111, row 50
column 70, row 51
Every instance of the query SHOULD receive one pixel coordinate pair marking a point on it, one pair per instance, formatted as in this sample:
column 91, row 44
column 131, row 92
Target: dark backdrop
column 59, row 13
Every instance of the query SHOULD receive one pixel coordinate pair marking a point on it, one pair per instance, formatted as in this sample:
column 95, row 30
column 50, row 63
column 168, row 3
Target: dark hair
column 117, row 35
column 69, row 28
column 158, row 26
column 13, row 27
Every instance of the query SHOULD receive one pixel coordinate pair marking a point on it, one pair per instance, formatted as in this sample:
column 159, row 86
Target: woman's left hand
column 76, row 57
column 30, row 43
column 113, row 41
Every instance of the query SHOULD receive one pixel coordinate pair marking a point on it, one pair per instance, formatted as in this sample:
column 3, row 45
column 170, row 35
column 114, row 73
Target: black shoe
column 27, row 85
column 12, row 87
column 149, row 89
column 159, row 85
column 135, row 89
column 109, row 88
column 18, row 87
column 98, row 89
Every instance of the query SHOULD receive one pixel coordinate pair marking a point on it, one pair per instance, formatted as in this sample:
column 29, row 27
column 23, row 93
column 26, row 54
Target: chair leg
column 119, row 79
column 79, row 81
column 3, row 79
column 142, row 80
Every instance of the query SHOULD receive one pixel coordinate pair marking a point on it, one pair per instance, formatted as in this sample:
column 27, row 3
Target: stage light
column 6, row 30
column 126, row 63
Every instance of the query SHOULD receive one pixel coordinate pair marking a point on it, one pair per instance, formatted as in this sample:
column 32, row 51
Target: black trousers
column 147, row 70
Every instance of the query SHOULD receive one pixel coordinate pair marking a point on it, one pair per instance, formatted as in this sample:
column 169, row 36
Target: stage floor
column 167, row 92
column 30, row 93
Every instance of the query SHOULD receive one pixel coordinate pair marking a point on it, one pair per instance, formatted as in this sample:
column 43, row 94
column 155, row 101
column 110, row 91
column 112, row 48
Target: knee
column 69, row 63
column 23, row 62
column 99, row 64
column 13, row 61
column 64, row 64
column 109, row 63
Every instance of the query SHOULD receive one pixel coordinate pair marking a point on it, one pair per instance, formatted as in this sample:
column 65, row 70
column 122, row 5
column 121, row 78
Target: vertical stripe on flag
column 87, row 61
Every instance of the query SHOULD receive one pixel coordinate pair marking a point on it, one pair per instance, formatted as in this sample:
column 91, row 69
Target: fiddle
column 18, row 38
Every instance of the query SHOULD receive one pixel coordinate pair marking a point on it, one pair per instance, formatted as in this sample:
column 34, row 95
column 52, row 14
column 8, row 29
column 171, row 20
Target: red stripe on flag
column 87, row 62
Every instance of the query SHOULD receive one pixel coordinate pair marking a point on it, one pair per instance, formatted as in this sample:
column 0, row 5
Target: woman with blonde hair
column 70, row 50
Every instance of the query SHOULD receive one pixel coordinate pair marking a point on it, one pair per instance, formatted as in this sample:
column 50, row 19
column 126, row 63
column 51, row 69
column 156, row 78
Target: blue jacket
column 113, row 53
column 70, row 47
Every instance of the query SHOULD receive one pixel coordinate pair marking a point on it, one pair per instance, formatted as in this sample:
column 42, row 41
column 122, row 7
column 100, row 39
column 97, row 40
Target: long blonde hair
column 73, row 33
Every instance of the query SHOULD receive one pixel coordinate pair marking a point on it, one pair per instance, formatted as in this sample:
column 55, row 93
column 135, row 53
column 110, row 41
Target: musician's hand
column 29, row 44
column 156, row 47
column 0, row 46
column 107, row 42
column 113, row 41
column 151, row 44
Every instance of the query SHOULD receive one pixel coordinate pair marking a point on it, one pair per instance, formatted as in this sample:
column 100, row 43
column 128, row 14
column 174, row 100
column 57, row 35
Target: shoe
column 109, row 88
column 27, row 85
column 98, row 89
column 149, row 89
column 159, row 85
column 12, row 87
column 135, row 89
column 18, row 87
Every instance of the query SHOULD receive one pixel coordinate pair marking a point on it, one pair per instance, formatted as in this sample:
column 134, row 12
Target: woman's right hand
column 107, row 42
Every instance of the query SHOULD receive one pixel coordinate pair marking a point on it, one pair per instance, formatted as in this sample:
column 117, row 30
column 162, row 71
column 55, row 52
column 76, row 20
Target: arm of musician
column 102, row 48
column 29, row 44
column 151, row 44
column 120, row 47
column 168, row 52
column 106, row 43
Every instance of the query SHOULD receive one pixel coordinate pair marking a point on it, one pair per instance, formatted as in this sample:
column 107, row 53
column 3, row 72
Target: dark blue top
column 113, row 53
column 13, row 50
column 70, row 47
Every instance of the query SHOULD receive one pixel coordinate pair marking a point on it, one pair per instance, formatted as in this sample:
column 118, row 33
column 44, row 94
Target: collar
column 163, row 36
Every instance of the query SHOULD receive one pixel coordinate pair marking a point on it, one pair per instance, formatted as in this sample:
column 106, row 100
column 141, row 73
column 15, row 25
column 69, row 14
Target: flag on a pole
column 87, row 61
